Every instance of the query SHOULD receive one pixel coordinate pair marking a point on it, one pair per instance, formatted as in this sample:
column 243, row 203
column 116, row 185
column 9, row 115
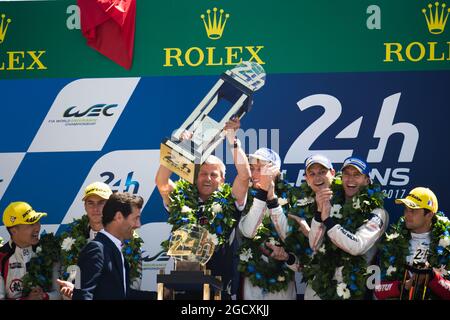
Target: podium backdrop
column 355, row 78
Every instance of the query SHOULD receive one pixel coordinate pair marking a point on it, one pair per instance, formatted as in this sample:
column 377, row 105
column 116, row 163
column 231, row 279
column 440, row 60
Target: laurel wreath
column 40, row 268
column 305, row 207
column 329, row 259
column 263, row 271
column 217, row 215
column 395, row 248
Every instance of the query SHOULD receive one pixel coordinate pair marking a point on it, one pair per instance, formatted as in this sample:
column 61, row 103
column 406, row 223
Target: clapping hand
column 323, row 200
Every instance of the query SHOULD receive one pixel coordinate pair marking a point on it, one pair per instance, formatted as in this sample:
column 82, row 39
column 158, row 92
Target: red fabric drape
column 109, row 27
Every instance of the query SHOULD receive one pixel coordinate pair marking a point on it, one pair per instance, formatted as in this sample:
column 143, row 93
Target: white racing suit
column 362, row 242
column 13, row 266
column 248, row 225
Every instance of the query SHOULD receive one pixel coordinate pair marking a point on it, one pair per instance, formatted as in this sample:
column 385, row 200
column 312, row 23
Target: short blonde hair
column 216, row 160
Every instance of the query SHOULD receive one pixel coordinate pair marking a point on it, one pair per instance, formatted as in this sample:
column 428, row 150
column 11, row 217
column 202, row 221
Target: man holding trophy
column 415, row 253
column 202, row 197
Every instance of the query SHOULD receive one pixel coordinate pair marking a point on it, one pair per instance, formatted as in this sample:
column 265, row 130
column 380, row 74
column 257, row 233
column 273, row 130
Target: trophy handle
column 236, row 109
column 412, row 290
column 403, row 283
column 236, row 87
column 418, row 270
column 206, row 102
column 427, row 279
column 242, row 111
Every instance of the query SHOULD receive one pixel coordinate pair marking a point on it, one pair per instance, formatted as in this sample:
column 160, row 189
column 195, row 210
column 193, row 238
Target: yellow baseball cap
column 20, row 213
column 420, row 198
column 97, row 188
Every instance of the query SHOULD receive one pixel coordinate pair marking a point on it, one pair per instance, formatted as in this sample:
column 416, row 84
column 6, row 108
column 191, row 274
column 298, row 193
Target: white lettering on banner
column 300, row 149
column 399, row 174
column 388, row 177
column 385, row 128
column 383, row 287
column 9, row 163
column 130, row 171
column 300, row 177
column 394, row 193
column 83, row 115
column 251, row 139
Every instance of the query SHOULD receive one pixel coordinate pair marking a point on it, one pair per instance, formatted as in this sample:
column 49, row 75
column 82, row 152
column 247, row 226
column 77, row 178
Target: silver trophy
column 235, row 87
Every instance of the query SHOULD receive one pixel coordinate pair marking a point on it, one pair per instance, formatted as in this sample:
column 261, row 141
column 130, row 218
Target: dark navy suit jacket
column 101, row 271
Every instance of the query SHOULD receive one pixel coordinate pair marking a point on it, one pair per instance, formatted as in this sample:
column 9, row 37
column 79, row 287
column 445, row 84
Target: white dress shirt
column 92, row 234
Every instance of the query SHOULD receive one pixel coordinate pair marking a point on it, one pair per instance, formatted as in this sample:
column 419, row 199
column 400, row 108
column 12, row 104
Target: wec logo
column 94, row 111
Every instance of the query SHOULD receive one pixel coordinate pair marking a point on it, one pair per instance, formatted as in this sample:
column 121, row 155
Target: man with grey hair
column 211, row 177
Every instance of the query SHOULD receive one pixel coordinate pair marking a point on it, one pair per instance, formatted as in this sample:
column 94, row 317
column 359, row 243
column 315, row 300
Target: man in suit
column 104, row 272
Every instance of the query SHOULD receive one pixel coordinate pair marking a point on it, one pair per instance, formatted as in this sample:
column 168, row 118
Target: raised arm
column 162, row 179
column 249, row 223
column 242, row 181
column 164, row 184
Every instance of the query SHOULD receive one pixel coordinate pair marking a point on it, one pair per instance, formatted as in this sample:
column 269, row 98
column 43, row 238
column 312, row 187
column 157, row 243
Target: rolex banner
column 362, row 78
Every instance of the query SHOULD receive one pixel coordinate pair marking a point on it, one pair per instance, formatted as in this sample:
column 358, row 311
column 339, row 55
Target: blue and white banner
column 68, row 133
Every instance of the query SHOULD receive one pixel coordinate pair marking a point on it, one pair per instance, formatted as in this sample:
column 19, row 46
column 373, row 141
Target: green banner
column 43, row 39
